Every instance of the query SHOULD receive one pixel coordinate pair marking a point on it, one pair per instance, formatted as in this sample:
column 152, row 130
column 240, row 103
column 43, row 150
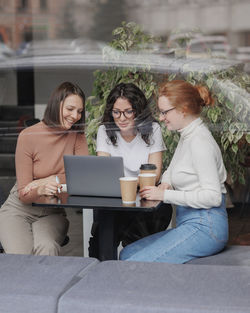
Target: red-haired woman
column 194, row 182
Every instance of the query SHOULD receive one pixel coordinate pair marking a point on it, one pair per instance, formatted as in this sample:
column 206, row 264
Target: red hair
column 184, row 95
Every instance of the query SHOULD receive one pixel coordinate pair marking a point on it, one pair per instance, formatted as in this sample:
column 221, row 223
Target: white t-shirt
column 196, row 172
column 134, row 153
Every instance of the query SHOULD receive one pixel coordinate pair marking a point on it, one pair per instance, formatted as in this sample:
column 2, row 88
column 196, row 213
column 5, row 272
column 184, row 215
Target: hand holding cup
column 152, row 193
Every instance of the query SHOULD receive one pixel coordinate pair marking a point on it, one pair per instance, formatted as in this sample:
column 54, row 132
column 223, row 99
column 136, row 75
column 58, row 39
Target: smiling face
column 71, row 111
column 173, row 118
column 124, row 123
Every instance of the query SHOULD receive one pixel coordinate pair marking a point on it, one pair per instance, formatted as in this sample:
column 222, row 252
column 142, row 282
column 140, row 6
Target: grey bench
column 124, row 287
column 33, row 284
column 44, row 284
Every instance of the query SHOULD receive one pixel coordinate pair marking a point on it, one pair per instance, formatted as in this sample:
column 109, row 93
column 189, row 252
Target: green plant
column 228, row 120
column 179, row 38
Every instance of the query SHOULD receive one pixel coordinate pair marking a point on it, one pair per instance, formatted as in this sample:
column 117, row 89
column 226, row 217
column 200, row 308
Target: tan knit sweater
column 39, row 154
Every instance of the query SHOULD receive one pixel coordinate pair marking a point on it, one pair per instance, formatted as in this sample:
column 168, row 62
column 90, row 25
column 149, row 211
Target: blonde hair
column 184, row 95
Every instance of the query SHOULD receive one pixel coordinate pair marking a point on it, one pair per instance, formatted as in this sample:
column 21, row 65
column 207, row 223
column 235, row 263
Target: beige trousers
column 31, row 230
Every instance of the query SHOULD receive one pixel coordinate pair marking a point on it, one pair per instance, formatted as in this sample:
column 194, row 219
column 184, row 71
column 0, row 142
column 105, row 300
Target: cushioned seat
column 34, row 283
column 122, row 287
column 231, row 255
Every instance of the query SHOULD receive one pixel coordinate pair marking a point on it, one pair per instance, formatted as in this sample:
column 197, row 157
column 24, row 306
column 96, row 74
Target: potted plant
column 228, row 120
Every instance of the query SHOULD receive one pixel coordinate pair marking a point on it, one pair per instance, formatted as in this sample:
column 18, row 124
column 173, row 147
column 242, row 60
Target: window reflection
column 59, row 40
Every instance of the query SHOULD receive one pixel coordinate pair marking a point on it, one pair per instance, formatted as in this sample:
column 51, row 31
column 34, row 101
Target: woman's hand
column 48, row 189
column 152, row 193
column 45, row 186
column 164, row 186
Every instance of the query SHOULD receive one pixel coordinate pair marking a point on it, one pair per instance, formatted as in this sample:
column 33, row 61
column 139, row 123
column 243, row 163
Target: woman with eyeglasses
column 194, row 182
column 129, row 130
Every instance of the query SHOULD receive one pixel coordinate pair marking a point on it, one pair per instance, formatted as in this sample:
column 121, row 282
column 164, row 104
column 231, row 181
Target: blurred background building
column 26, row 20
column 214, row 17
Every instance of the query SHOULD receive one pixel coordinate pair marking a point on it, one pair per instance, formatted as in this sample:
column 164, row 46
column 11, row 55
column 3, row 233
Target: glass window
column 43, row 43
column 23, row 5
column 1, row 4
column 43, row 4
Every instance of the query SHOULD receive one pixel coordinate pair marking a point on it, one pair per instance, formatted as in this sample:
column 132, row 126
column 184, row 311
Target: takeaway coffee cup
column 147, row 179
column 128, row 189
column 148, row 168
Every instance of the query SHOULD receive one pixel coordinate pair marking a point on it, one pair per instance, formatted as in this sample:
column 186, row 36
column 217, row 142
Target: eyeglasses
column 126, row 113
column 164, row 113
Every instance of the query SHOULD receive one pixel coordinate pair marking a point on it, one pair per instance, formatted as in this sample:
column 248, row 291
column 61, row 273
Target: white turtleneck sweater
column 196, row 172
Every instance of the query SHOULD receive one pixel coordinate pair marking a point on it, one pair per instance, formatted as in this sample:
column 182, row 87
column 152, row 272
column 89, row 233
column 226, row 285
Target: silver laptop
column 93, row 175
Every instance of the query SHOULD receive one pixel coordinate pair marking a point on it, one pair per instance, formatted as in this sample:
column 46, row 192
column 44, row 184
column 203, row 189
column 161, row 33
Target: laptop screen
column 93, row 175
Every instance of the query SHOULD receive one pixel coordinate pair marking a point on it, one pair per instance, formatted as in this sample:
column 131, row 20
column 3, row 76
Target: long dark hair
column 139, row 103
column 53, row 109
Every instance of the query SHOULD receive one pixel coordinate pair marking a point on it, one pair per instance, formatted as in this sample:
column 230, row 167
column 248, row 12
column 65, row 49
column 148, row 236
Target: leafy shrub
column 228, row 120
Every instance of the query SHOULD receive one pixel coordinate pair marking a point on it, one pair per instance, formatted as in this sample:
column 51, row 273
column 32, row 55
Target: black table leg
column 107, row 241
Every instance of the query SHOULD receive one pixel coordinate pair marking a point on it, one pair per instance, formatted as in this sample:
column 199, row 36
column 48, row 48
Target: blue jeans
column 198, row 233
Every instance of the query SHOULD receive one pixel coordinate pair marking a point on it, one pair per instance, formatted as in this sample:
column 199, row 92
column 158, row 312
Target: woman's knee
column 46, row 247
column 17, row 242
column 14, row 247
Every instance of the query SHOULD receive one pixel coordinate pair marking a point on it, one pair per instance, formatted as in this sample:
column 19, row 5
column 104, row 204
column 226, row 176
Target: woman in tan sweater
column 39, row 159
